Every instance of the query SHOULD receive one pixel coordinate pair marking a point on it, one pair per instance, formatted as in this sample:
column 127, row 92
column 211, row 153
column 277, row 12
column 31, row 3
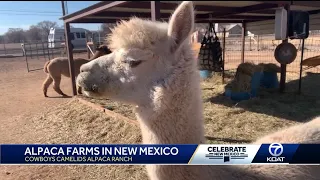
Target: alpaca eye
column 134, row 63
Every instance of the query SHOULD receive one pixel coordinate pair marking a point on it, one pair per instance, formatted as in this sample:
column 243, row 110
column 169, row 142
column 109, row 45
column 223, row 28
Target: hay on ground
column 117, row 107
column 270, row 67
column 229, row 122
column 76, row 123
column 243, row 77
column 248, row 68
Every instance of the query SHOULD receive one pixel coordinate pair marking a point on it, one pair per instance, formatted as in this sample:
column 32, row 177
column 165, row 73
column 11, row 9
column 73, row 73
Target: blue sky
column 22, row 14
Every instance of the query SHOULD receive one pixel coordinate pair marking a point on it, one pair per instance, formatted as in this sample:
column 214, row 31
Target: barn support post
column 63, row 14
column 224, row 53
column 88, row 50
column 300, row 76
column 69, row 51
column 284, row 66
column 70, row 57
column 155, row 10
column 243, row 41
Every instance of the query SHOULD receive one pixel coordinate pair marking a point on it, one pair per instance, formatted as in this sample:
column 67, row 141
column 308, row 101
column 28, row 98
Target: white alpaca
column 152, row 67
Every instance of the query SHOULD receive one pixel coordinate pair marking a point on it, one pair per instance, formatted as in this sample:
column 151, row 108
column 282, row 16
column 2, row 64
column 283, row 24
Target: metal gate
column 37, row 53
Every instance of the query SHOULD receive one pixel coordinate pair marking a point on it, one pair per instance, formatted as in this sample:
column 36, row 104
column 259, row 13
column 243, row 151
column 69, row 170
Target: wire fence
column 34, row 47
column 260, row 49
column 10, row 49
column 36, row 53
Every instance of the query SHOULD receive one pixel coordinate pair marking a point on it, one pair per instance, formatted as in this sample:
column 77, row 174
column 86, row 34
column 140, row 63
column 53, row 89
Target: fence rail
column 258, row 49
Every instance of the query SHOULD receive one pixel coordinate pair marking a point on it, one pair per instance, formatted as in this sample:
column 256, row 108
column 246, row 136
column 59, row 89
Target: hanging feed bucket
column 269, row 80
column 210, row 52
column 239, row 96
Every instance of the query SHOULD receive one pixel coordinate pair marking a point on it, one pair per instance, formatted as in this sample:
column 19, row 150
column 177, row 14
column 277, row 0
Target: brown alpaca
column 60, row 66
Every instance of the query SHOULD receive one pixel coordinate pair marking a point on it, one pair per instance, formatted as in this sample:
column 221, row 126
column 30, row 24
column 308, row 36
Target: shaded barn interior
column 255, row 16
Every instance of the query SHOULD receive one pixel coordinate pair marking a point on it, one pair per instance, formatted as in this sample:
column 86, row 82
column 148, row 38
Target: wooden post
column 26, row 55
column 88, row 50
column 224, row 53
column 155, row 10
column 300, row 76
column 243, row 41
column 70, row 57
column 63, row 9
column 284, row 66
column 63, row 14
column 30, row 50
column 69, row 51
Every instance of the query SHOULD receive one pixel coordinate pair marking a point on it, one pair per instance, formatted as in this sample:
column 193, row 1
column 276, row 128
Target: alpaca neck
column 175, row 114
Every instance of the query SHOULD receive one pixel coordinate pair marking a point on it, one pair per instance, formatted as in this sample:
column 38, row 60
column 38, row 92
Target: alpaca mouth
column 91, row 94
column 89, row 88
column 91, row 91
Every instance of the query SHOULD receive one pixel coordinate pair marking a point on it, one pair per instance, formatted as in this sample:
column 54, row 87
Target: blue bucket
column 205, row 74
column 239, row 96
column 255, row 83
column 269, row 80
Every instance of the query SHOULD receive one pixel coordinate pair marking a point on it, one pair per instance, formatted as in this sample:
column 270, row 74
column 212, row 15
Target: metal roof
column 217, row 11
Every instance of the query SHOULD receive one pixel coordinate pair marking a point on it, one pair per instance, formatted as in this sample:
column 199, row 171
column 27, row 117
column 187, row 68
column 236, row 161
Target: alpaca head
column 143, row 54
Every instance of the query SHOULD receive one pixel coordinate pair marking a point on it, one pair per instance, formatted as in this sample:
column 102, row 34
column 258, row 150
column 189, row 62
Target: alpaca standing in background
column 152, row 66
column 60, row 66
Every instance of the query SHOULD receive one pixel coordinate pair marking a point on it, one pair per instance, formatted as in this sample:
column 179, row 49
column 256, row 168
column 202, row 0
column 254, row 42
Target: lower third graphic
column 275, row 150
column 226, row 153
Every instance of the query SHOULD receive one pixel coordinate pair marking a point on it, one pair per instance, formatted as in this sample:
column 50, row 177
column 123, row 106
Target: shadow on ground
column 289, row 105
column 59, row 97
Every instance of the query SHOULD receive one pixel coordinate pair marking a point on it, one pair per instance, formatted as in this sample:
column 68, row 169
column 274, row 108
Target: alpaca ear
column 181, row 23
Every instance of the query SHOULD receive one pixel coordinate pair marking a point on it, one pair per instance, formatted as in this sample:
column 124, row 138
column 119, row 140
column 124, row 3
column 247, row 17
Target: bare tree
column 33, row 34
column 15, row 35
column 45, row 26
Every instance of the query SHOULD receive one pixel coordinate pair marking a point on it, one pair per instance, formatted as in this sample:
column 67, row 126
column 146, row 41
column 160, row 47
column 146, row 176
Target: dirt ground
column 21, row 96
column 19, row 88
column 28, row 117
